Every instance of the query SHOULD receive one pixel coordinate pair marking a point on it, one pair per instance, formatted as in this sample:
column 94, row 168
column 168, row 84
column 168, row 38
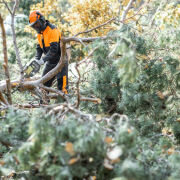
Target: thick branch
column 59, row 66
column 2, row 99
column 66, row 40
column 6, row 67
column 126, row 10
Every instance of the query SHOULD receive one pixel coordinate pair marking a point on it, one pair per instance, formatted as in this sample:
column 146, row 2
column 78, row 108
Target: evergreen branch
column 8, row 144
column 5, row 143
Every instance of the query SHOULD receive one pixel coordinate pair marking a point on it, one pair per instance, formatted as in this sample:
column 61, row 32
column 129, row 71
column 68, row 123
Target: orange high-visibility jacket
column 49, row 44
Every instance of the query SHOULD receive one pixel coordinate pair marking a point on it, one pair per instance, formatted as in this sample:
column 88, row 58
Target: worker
column 49, row 43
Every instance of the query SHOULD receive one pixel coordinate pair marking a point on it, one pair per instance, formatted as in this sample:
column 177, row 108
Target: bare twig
column 59, row 93
column 160, row 6
column 15, row 42
column 6, row 67
column 84, row 60
column 87, row 31
column 7, row 7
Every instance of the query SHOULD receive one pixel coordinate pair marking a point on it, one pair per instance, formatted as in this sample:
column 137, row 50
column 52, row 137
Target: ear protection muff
column 42, row 18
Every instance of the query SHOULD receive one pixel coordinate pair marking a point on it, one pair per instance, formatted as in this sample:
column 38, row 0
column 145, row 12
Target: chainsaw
column 32, row 69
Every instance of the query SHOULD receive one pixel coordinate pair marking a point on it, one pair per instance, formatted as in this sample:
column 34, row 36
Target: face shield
column 38, row 25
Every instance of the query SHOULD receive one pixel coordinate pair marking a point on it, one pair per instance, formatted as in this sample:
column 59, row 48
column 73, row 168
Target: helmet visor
column 36, row 25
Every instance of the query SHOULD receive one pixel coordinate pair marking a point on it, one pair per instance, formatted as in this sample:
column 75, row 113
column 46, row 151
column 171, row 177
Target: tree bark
column 6, row 67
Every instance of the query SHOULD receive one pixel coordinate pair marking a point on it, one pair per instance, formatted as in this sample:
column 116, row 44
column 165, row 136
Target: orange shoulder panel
column 55, row 36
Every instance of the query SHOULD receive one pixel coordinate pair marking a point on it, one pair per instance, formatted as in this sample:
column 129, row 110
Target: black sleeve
column 39, row 52
column 53, row 51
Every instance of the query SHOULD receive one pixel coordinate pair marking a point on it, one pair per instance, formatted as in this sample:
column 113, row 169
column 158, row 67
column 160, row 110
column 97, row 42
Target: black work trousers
column 62, row 77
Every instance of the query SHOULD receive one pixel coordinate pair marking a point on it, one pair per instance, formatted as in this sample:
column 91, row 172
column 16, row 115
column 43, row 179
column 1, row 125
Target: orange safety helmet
column 37, row 21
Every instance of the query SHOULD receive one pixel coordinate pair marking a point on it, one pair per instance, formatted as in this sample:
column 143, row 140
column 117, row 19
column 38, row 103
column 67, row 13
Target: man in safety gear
column 49, row 43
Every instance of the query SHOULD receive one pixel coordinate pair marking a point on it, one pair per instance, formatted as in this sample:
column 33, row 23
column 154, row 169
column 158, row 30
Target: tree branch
column 7, row 7
column 2, row 99
column 14, row 40
column 77, row 84
column 87, row 31
column 6, row 67
column 84, row 60
column 126, row 10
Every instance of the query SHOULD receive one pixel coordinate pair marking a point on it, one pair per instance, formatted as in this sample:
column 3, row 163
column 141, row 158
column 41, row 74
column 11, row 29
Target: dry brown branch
column 58, row 93
column 29, row 106
column 6, row 67
column 59, row 66
column 67, row 108
column 2, row 99
column 94, row 100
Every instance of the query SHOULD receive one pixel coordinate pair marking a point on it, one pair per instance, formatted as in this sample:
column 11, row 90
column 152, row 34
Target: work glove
column 40, row 62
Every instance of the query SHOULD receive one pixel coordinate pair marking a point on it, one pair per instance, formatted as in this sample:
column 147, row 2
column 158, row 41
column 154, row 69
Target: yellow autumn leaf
column 69, row 148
